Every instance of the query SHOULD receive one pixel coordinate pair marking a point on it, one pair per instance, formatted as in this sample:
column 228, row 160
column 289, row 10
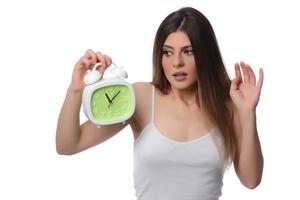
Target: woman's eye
column 167, row 53
column 189, row 52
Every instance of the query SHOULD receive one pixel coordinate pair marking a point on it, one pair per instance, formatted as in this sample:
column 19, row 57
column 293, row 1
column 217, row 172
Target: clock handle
column 92, row 76
column 118, row 71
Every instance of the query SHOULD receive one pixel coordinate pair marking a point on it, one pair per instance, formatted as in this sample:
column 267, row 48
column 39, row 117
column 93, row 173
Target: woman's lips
column 180, row 76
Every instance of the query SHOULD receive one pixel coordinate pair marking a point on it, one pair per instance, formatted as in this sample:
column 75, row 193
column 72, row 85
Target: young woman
column 190, row 122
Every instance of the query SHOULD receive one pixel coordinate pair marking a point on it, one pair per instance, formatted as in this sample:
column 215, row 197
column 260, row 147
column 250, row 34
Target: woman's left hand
column 245, row 92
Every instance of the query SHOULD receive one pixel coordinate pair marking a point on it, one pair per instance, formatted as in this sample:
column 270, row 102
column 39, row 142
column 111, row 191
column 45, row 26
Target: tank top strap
column 153, row 103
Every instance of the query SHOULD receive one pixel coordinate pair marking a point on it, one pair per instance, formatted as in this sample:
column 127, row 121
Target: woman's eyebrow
column 182, row 48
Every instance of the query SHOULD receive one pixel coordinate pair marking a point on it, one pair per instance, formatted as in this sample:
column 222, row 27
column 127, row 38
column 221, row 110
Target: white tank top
column 165, row 169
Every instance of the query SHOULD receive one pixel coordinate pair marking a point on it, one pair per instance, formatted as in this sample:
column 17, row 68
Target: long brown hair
column 213, row 80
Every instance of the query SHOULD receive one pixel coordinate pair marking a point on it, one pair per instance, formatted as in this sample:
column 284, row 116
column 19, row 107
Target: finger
column 84, row 63
column 237, row 70
column 90, row 55
column 251, row 74
column 245, row 72
column 102, row 60
column 108, row 60
column 261, row 79
column 234, row 87
column 88, row 52
column 235, row 84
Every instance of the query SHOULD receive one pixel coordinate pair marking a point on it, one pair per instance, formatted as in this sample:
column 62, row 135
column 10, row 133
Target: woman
column 190, row 122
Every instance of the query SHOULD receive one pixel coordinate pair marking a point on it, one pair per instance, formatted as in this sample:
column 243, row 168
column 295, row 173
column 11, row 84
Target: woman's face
column 178, row 61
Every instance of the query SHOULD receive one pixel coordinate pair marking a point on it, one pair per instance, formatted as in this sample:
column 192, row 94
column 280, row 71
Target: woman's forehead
column 177, row 39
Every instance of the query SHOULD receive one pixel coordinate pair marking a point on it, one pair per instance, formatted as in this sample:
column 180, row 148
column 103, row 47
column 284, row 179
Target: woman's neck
column 186, row 96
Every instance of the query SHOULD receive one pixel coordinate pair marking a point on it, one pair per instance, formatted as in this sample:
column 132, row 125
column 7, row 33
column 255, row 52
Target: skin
column 177, row 51
column 245, row 93
column 187, row 118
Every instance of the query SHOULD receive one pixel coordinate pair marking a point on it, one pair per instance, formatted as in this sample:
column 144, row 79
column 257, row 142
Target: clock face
column 112, row 102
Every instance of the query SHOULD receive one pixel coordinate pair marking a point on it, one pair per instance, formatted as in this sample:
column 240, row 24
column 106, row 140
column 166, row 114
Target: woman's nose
column 178, row 61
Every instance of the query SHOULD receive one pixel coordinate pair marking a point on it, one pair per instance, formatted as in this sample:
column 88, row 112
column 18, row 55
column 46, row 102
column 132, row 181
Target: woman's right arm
column 71, row 137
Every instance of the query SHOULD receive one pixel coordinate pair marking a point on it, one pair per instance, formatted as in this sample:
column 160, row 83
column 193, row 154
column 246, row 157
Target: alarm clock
column 108, row 100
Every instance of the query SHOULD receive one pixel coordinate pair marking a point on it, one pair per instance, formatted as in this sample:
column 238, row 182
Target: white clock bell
column 110, row 100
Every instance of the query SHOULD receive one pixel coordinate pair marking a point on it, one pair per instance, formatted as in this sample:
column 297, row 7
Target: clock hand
column 115, row 95
column 109, row 101
column 108, row 98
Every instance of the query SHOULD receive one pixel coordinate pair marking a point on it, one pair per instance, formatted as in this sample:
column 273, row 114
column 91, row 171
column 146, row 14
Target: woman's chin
column 183, row 85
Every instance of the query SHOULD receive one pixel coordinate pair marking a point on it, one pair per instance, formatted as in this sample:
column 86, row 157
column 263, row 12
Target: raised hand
column 86, row 62
column 244, row 91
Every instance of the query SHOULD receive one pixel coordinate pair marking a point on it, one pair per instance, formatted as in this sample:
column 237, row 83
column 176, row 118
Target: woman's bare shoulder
column 142, row 89
column 142, row 85
column 143, row 93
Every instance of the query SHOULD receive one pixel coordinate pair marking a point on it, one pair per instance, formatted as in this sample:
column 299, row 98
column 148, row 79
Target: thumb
column 235, row 84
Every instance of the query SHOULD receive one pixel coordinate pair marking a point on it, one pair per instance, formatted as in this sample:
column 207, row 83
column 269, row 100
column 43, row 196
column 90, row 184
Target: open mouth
column 180, row 76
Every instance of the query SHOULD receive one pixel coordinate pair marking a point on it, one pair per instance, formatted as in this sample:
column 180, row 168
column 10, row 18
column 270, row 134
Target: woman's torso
column 176, row 121
column 177, row 153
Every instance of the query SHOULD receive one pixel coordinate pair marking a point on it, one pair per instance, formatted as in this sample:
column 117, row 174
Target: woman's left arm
column 245, row 93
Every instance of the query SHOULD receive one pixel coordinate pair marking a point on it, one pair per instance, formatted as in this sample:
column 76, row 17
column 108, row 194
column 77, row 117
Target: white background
column 40, row 41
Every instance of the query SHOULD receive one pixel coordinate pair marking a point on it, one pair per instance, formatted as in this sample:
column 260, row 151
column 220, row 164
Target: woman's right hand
column 87, row 62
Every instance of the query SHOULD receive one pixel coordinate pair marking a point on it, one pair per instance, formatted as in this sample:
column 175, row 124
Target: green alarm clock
column 110, row 100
